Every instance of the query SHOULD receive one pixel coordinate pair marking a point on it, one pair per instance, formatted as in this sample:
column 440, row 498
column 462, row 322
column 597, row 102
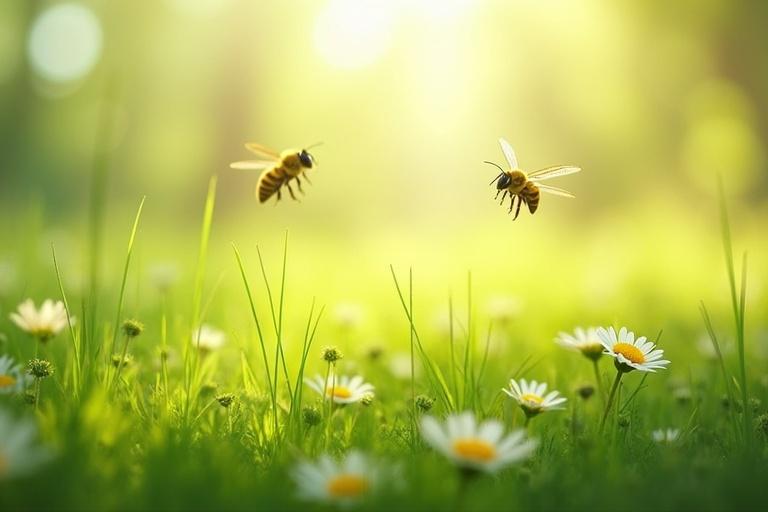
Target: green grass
column 153, row 435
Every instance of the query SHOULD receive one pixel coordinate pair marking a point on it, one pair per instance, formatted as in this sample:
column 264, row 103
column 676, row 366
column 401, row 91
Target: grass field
column 395, row 340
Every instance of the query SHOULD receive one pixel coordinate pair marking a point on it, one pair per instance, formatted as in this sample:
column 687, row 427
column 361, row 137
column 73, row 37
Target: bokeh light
column 353, row 33
column 65, row 43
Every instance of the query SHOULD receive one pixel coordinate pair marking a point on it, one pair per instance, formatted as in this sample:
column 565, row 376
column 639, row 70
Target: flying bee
column 526, row 188
column 278, row 169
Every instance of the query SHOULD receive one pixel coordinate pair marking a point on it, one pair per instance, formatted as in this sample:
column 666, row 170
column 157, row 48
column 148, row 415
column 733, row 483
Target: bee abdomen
column 532, row 195
column 269, row 183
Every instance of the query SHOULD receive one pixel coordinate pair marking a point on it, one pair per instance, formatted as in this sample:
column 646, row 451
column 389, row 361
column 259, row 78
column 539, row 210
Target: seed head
column 585, row 391
column 624, row 421
column 367, row 399
column 40, row 368
column 127, row 361
column 132, row 328
column 332, row 354
column 225, row 399
column 311, row 415
column 424, row 403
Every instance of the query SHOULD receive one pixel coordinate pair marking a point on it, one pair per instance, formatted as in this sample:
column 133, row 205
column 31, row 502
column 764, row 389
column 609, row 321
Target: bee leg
column 298, row 183
column 279, row 195
column 503, row 197
column 519, row 202
column 307, row 178
column 512, row 203
column 497, row 196
column 290, row 191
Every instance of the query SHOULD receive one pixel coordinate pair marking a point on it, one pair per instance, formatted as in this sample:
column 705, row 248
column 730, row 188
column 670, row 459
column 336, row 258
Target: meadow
column 394, row 340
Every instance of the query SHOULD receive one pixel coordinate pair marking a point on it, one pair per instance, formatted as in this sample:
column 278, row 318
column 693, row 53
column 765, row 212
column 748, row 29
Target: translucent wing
column 252, row 165
column 554, row 190
column 552, row 172
column 262, row 151
column 509, row 154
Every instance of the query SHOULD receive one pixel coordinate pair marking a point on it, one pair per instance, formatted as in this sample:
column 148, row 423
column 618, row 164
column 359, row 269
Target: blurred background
column 104, row 102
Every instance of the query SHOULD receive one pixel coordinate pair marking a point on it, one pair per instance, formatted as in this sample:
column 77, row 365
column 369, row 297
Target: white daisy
column 667, row 436
column 585, row 341
column 630, row 353
column 19, row 454
column 44, row 323
column 480, row 447
column 208, row 338
column 344, row 390
column 344, row 482
column 13, row 379
column 533, row 397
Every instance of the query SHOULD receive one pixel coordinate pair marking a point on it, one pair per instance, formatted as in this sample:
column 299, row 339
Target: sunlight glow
column 352, row 34
column 64, row 43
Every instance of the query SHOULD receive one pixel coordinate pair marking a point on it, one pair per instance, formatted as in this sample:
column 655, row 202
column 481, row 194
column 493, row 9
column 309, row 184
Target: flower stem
column 332, row 375
column 611, row 396
column 120, row 363
column 598, row 380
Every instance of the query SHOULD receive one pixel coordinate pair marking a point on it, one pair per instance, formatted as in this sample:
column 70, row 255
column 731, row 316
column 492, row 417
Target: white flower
column 503, row 308
column 208, row 338
column 585, row 341
column 345, row 482
column 19, row 454
column 667, row 436
column 348, row 314
column 44, row 323
column 343, row 389
column 13, row 379
column 532, row 398
column 470, row 445
column 630, row 353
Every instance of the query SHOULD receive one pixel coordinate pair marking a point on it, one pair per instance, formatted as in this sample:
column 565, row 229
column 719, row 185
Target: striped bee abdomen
column 270, row 182
column 531, row 194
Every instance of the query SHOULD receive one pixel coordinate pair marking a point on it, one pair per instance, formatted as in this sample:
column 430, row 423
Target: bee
column 279, row 169
column 526, row 188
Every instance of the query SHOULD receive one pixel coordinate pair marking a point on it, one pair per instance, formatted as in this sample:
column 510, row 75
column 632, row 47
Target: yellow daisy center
column 338, row 392
column 531, row 398
column 6, row 381
column 631, row 352
column 347, row 486
column 474, row 449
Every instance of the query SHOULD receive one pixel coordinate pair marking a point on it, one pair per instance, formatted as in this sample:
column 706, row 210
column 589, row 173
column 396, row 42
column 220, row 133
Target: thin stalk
column 454, row 374
column 120, row 363
column 192, row 358
column 611, row 396
column 738, row 302
column 121, row 297
column 413, row 366
column 77, row 372
column 598, row 380
column 272, row 394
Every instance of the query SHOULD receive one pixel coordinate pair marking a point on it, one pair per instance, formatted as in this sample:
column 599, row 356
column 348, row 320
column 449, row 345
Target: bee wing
column 252, row 165
column 509, row 154
column 553, row 172
column 554, row 190
column 262, row 151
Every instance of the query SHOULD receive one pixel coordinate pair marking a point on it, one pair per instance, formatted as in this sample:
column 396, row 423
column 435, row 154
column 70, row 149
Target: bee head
column 503, row 182
column 306, row 159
